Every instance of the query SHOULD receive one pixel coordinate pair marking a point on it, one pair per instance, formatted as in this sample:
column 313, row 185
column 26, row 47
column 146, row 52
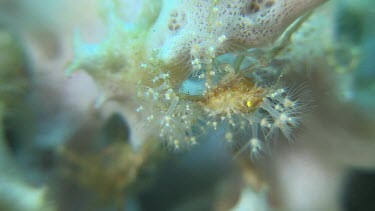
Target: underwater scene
column 187, row 105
